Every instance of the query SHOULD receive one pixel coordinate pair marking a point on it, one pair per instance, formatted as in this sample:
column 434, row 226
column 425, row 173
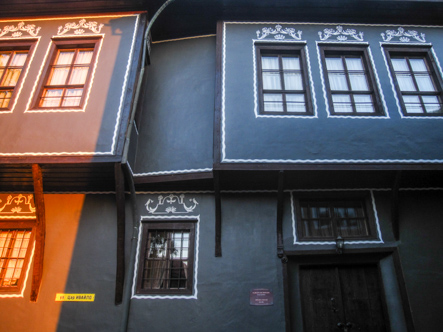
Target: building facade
column 266, row 168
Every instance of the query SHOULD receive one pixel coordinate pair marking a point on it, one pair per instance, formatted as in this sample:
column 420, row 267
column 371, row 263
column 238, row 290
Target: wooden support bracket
column 280, row 198
column 40, row 232
column 218, row 249
column 394, row 206
column 120, row 201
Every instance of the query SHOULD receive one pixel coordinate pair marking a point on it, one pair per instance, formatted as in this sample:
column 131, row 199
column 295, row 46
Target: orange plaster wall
column 63, row 214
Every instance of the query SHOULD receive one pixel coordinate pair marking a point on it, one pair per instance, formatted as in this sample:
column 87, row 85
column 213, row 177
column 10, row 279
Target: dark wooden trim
column 131, row 86
column 218, row 93
column 287, row 303
column 40, row 232
column 403, row 292
column 395, row 206
column 280, row 206
column 218, row 215
column 173, row 177
column 347, row 253
column 120, row 203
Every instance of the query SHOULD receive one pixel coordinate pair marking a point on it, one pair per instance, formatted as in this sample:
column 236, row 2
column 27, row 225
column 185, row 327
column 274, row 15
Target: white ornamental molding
column 403, row 36
column 171, row 204
column 17, row 30
column 279, row 33
column 16, row 204
column 79, row 28
column 342, row 35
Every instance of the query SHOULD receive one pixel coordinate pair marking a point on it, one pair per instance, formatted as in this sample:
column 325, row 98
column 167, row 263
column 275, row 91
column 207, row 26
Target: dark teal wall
column 178, row 107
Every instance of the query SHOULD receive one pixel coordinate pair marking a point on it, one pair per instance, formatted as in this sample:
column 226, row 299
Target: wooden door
column 341, row 298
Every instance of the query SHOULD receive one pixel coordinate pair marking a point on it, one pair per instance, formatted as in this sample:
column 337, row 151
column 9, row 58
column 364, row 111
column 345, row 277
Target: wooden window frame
column 281, row 50
column 331, row 200
column 425, row 53
column 13, row 225
column 173, row 226
column 60, row 44
column 19, row 45
column 352, row 51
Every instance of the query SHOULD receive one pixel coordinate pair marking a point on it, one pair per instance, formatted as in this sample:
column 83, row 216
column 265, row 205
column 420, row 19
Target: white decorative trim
column 25, row 74
column 404, row 36
column 93, row 26
column 20, row 199
column 325, row 92
column 179, row 39
column 137, row 257
column 394, row 91
column 278, row 33
column 223, row 116
column 170, row 200
column 2, row 295
column 183, row 171
column 256, row 104
column 294, row 222
column 29, row 28
column 332, row 161
column 341, row 34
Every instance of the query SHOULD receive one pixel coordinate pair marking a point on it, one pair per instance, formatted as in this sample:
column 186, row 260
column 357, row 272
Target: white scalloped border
column 183, row 171
column 294, row 222
column 197, row 240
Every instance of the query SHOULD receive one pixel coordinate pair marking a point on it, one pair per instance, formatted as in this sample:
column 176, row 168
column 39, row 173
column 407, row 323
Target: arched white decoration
column 404, row 36
column 171, row 204
column 93, row 26
column 279, row 33
column 16, row 30
column 341, row 34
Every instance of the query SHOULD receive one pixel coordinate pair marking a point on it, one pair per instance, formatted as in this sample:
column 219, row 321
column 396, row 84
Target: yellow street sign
column 75, row 297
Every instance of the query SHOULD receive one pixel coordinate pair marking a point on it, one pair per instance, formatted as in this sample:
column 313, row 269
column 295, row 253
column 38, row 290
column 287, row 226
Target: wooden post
column 280, row 198
column 120, row 200
column 394, row 206
column 40, row 232
column 218, row 249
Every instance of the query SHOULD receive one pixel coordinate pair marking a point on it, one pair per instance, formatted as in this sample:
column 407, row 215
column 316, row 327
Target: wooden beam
column 394, row 206
column 218, row 249
column 40, row 232
column 120, row 200
column 280, row 198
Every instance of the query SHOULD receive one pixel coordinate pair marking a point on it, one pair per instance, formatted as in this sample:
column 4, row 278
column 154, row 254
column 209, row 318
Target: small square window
column 68, row 75
column 324, row 219
column 283, row 80
column 14, row 58
column 166, row 258
column 417, row 82
column 350, row 81
column 15, row 251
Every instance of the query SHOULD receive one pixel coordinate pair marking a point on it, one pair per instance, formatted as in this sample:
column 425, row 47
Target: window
column 350, row 81
column 15, row 250
column 13, row 60
column 418, row 84
column 166, row 258
column 68, row 75
column 326, row 219
column 283, row 80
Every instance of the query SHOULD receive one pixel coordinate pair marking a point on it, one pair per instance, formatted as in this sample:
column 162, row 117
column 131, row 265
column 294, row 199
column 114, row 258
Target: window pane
column 342, row 103
column 358, row 82
column 273, row 102
column 5, row 97
column 84, row 57
column 424, row 82
column 271, row 81
column 400, row 65
column 79, row 75
column 72, row 97
column 65, row 58
column 51, row 98
column 4, row 57
column 58, row 76
column 412, row 104
column 334, row 64
column 19, row 59
column 293, row 81
column 338, row 82
column 363, row 104
column 354, row 64
column 291, row 63
column 432, row 104
column 11, row 77
column 405, row 82
column 269, row 62
column 295, row 103
column 418, row 65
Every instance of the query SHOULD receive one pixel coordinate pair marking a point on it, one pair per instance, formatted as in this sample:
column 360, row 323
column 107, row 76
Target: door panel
column 349, row 295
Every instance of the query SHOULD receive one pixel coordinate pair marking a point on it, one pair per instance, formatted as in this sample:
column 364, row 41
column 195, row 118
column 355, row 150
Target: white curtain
column 342, row 103
column 363, row 104
column 51, row 98
column 432, row 104
column 336, row 75
column 72, row 97
column 273, row 102
column 357, row 74
column 295, row 103
column 412, row 104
